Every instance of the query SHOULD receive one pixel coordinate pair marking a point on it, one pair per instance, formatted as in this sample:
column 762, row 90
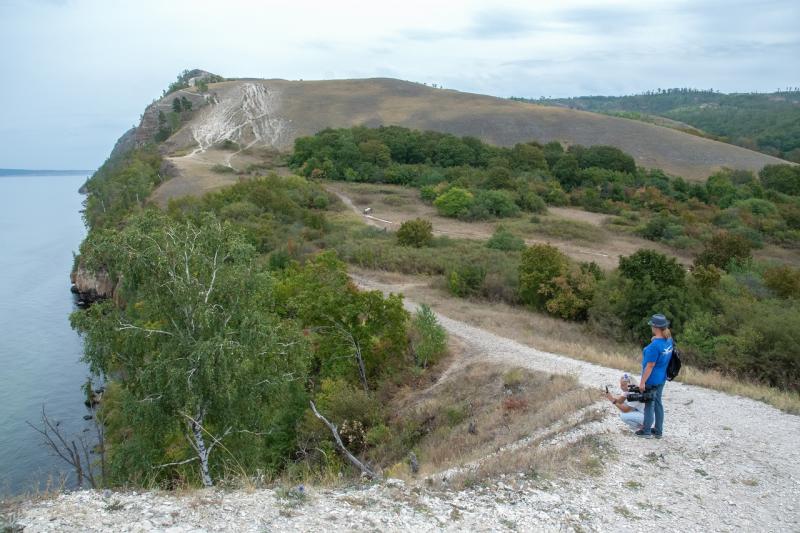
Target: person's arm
column 649, row 360
column 619, row 402
column 648, row 369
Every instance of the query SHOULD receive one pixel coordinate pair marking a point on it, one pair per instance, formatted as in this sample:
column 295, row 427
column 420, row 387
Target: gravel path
column 725, row 464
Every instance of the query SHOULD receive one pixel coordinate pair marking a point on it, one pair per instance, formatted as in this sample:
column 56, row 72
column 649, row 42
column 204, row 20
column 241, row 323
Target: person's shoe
column 657, row 435
column 644, row 435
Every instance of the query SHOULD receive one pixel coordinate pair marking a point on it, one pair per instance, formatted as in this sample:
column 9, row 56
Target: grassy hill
column 767, row 122
column 273, row 113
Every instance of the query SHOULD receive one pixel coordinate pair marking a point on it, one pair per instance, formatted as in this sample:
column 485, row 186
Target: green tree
column 428, row 337
column 569, row 296
column 781, row 178
column 375, row 152
column 657, row 266
column 566, row 171
column 359, row 336
column 723, row 248
column 198, row 359
column 607, row 157
column 539, row 265
column 176, row 105
column 553, row 152
column 528, row 157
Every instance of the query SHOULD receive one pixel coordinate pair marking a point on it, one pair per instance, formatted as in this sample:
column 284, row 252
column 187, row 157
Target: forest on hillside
column 767, row 122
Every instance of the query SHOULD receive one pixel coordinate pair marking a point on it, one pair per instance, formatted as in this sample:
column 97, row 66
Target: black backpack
column 674, row 365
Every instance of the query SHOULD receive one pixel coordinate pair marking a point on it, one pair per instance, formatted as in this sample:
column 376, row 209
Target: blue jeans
column 633, row 418
column 654, row 409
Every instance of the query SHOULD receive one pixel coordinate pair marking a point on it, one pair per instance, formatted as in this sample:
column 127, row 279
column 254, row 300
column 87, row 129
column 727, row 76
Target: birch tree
column 204, row 375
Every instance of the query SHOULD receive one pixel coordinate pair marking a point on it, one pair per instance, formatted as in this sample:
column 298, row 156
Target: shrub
column 755, row 339
column 781, row 178
column 455, row 202
column 570, row 296
column 621, row 307
column 539, row 266
column 428, row 193
column 706, row 278
column 722, row 249
column 416, row 233
column 554, row 194
column 654, row 265
column 528, row 200
column 503, row 239
column 757, row 207
column 783, row 281
column 607, row 157
column 228, row 144
column 662, row 227
column 428, row 337
column 498, row 178
column 222, row 169
column 490, row 204
column 466, row 280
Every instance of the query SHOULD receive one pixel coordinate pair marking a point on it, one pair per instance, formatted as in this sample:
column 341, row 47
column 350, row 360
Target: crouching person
column 632, row 413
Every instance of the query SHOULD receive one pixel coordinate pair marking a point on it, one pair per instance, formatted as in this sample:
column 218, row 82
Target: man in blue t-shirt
column 655, row 359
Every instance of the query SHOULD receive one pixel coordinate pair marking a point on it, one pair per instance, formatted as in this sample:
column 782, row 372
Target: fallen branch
column 367, row 471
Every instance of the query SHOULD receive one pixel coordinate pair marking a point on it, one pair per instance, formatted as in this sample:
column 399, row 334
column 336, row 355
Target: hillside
column 767, row 122
column 727, row 458
column 273, row 113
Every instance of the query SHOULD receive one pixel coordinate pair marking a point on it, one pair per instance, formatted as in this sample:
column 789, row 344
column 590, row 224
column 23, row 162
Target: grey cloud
column 605, row 19
column 486, row 24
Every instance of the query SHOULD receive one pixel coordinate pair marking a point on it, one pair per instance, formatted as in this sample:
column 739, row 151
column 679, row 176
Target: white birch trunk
column 196, row 426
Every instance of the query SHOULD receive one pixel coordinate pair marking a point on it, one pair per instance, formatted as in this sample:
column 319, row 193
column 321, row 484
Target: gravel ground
column 725, row 464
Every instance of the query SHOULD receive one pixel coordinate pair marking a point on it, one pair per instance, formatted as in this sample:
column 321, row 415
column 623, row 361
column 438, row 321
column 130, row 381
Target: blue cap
column 658, row 321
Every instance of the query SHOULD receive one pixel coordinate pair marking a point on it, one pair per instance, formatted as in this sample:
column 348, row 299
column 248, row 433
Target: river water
column 40, row 227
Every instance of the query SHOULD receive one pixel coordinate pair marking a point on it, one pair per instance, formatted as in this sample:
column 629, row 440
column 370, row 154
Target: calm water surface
column 40, row 227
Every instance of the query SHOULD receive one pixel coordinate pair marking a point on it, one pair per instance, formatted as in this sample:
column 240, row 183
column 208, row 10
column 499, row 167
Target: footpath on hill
column 725, row 463
column 726, row 458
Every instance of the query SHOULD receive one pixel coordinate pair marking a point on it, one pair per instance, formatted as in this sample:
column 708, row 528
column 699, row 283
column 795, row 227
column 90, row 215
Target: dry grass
column 311, row 106
column 579, row 234
column 582, row 457
column 569, row 338
column 482, row 408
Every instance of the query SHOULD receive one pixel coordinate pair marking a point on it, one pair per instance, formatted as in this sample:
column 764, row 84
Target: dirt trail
column 569, row 249
column 725, row 462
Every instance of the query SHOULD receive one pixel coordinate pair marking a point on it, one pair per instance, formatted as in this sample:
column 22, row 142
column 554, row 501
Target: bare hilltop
column 272, row 113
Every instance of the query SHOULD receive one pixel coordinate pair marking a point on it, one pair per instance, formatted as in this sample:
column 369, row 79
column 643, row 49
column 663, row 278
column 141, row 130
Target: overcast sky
column 77, row 73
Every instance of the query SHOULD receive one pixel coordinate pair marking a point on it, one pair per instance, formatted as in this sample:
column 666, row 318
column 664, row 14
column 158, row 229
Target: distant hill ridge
column 767, row 122
column 273, row 112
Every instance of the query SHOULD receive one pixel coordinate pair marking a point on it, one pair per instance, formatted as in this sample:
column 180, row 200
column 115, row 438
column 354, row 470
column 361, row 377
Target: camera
column 635, row 394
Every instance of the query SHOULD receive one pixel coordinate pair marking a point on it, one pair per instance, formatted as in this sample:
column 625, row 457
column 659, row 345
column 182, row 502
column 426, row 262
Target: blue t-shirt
column 659, row 352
